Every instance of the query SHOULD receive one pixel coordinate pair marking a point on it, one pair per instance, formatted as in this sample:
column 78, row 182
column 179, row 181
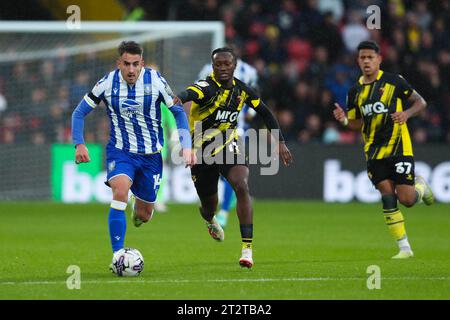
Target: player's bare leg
column 208, row 206
column 394, row 218
column 238, row 179
column 141, row 211
column 410, row 195
column 120, row 186
column 207, row 210
column 406, row 195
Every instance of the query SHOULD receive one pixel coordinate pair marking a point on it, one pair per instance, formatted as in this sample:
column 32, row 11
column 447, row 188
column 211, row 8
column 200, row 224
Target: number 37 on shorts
column 398, row 169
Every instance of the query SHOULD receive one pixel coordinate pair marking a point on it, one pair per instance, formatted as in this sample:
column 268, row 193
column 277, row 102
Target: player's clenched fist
column 190, row 158
column 285, row 154
column 339, row 113
column 81, row 154
column 400, row 117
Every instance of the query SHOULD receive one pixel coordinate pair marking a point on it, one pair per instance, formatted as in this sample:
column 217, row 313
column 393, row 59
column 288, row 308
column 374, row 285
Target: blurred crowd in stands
column 305, row 55
column 37, row 100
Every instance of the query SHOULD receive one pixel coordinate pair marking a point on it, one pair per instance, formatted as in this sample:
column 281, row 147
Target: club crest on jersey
column 147, row 90
column 132, row 107
column 371, row 108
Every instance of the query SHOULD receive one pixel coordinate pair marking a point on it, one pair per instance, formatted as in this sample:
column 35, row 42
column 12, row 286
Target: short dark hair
column 372, row 45
column 224, row 49
column 130, row 47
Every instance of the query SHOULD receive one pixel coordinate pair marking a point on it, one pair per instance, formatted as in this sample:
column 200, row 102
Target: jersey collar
column 217, row 82
column 380, row 73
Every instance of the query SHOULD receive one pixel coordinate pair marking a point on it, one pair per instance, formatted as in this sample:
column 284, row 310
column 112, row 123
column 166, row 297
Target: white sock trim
column 118, row 205
column 403, row 244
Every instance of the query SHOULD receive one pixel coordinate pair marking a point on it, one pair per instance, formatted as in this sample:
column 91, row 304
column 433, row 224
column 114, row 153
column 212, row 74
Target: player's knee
column 241, row 188
column 120, row 194
column 406, row 198
column 407, row 201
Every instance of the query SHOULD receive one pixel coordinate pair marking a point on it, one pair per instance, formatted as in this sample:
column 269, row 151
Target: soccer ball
column 127, row 262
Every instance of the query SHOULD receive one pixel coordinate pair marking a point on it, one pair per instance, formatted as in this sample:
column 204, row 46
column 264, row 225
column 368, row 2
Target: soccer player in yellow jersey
column 216, row 103
column 379, row 105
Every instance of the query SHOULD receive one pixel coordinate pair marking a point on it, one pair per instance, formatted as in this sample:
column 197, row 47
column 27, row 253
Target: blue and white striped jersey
column 247, row 74
column 134, row 110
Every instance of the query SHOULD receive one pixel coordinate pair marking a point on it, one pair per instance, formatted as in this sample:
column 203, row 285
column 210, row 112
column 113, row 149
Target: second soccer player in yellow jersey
column 379, row 105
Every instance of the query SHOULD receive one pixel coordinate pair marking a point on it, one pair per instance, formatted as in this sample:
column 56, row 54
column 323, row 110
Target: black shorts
column 398, row 169
column 206, row 173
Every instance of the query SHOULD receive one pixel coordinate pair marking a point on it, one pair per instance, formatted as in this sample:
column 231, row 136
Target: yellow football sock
column 395, row 222
column 247, row 245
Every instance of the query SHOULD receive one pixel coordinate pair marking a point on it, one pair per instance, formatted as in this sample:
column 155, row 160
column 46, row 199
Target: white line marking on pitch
column 124, row 280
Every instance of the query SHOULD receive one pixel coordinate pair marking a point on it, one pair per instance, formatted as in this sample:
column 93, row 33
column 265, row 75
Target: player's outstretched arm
column 339, row 115
column 417, row 105
column 78, row 115
column 174, row 104
column 272, row 124
column 189, row 156
column 186, row 96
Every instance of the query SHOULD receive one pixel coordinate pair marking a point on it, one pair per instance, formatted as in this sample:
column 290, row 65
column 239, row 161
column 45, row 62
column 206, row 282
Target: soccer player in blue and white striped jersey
column 132, row 94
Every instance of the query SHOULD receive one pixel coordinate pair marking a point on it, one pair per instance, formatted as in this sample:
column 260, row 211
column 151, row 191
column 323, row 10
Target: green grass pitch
column 302, row 250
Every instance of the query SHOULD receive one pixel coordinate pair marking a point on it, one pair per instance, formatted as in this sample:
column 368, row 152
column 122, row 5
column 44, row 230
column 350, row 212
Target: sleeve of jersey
column 89, row 102
column 353, row 112
column 182, row 125
column 252, row 99
column 166, row 91
column 197, row 91
column 405, row 88
column 194, row 92
column 94, row 97
column 269, row 119
column 78, row 115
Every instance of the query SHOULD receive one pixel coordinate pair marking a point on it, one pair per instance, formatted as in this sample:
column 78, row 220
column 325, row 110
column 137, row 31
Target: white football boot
column 403, row 254
column 215, row 230
column 136, row 221
column 424, row 188
column 246, row 260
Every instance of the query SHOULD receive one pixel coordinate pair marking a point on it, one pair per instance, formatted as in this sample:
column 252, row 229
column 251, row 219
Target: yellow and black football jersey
column 216, row 109
column 374, row 103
